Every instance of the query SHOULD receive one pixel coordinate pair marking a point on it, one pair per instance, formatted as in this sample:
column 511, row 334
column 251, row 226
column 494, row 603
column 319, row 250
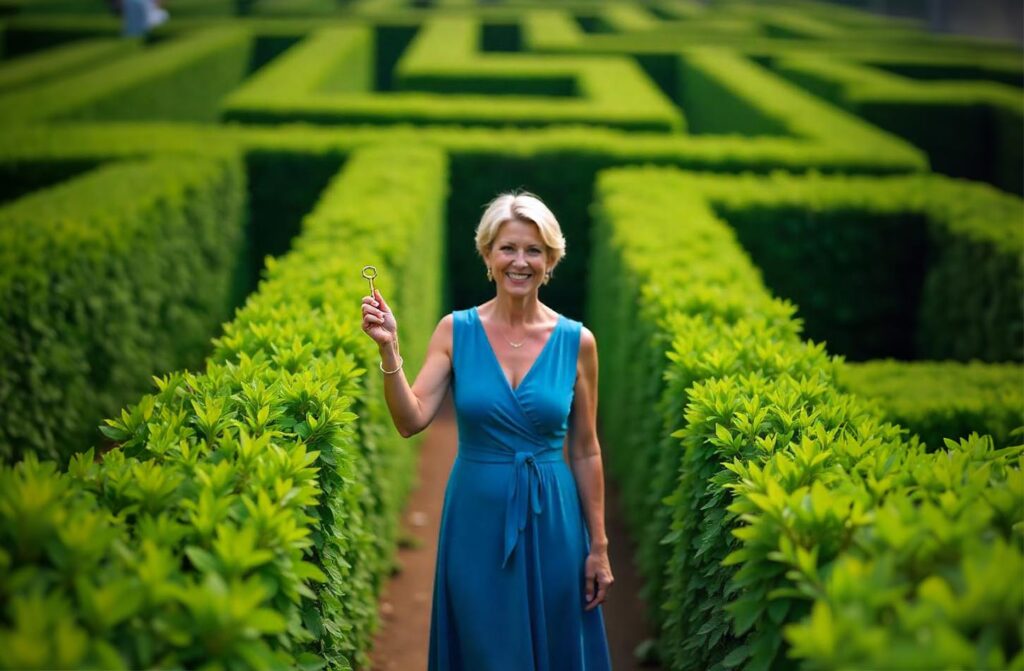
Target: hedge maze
column 796, row 230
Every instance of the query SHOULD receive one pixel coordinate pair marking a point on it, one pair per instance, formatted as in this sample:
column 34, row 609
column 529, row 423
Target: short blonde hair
column 524, row 206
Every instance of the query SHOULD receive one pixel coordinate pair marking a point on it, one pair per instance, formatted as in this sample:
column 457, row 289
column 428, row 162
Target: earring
column 547, row 277
column 490, row 277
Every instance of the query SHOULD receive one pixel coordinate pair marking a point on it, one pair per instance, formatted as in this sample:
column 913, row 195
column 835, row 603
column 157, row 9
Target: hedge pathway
column 402, row 641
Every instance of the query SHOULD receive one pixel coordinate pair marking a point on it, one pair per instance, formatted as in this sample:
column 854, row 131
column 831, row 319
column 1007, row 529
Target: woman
column 522, row 563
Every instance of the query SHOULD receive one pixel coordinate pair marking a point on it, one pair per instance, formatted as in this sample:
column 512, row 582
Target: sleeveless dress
column 509, row 580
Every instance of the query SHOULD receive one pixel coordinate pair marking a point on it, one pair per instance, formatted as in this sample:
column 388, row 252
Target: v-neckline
column 497, row 363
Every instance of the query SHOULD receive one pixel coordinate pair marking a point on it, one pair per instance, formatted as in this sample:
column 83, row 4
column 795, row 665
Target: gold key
column 370, row 272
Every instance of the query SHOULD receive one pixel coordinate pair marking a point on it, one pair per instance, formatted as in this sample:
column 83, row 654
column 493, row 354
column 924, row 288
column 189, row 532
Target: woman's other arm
column 585, row 462
column 414, row 407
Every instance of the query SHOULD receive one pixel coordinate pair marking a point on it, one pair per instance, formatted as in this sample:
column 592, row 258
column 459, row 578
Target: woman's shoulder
column 573, row 325
column 454, row 320
column 457, row 316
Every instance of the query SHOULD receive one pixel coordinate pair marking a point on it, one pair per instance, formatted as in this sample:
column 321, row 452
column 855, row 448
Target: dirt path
column 401, row 643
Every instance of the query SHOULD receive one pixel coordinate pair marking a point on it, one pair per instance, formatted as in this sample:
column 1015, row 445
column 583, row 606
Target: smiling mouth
column 519, row 277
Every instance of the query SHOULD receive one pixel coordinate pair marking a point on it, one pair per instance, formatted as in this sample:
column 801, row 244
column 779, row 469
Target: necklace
column 516, row 345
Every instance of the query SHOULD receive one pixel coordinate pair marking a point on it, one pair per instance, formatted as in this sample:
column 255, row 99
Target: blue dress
column 509, row 580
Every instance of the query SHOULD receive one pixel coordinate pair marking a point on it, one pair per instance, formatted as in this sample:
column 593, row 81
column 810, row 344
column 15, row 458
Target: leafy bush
column 927, row 266
column 444, row 58
column 942, row 399
column 62, row 60
column 105, row 280
column 768, row 496
column 982, row 147
column 182, row 79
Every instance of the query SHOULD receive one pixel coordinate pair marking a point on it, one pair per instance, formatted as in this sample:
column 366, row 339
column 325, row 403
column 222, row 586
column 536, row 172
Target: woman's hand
column 378, row 320
column 598, row 570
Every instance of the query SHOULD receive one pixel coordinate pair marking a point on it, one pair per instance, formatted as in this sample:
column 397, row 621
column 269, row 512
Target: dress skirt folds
column 509, row 580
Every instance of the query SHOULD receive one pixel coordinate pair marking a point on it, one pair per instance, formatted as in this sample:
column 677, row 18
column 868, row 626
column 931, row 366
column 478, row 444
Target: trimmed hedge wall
column 942, row 399
column 182, row 79
column 61, row 61
column 59, row 143
column 105, row 280
column 919, row 266
column 444, row 58
column 963, row 137
column 248, row 515
column 338, row 59
column 559, row 164
column 784, row 519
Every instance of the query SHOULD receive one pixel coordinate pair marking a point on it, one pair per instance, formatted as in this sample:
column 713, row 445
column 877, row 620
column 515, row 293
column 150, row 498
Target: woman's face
column 518, row 257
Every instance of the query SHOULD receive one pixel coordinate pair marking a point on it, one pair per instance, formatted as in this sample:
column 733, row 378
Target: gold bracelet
column 401, row 362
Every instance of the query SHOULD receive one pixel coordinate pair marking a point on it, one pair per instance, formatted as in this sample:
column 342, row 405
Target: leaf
column 266, row 621
column 307, row 661
column 201, row 559
column 114, row 433
column 736, row 657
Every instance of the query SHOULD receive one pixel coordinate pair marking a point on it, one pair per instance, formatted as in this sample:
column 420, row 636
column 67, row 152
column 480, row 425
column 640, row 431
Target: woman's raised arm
column 412, row 408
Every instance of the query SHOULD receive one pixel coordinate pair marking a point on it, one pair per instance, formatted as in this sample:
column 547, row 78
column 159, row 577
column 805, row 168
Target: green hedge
column 105, row 280
column 558, row 163
column 181, row 79
column 61, row 61
column 444, row 58
column 784, row 519
column 965, row 135
column 942, row 399
column 60, row 143
column 768, row 105
column 28, row 34
column 338, row 59
column 247, row 517
column 920, row 266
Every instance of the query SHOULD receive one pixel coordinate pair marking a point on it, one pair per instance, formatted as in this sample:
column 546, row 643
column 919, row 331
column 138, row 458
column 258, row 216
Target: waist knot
column 524, row 494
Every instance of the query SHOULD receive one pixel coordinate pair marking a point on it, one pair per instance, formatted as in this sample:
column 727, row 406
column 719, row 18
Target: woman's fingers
column 383, row 304
column 369, row 310
column 600, row 580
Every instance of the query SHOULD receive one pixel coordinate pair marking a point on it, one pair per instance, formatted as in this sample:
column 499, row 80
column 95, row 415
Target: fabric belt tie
column 524, row 493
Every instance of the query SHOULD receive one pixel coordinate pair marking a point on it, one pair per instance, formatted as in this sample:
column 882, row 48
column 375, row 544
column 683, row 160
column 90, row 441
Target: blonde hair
column 522, row 206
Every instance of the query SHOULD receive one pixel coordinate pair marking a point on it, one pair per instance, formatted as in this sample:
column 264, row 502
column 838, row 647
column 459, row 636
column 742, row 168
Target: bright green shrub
column 183, row 78
column 942, row 399
column 763, row 482
column 39, row 144
column 661, row 283
column 247, row 516
column 28, row 34
column 61, row 61
column 288, row 162
column 105, row 280
column 86, row 7
column 293, row 7
column 444, row 57
column 767, row 105
column 19, row 180
column 390, row 217
column 962, row 137
column 338, row 59
column 929, row 267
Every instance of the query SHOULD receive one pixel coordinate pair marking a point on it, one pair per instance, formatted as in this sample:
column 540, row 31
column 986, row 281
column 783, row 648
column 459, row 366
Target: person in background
column 139, row 16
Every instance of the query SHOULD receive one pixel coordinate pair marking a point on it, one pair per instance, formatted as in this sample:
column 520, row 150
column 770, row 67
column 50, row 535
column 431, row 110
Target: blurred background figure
column 139, row 16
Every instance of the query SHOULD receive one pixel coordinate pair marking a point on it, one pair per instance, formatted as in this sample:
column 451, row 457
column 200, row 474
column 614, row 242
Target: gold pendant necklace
column 516, row 345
